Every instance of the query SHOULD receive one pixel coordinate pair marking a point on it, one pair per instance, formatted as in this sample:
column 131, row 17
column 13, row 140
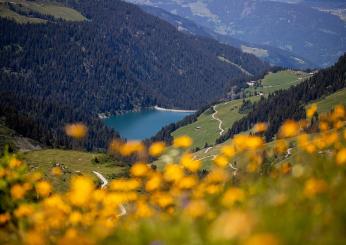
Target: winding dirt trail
column 103, row 185
column 218, row 119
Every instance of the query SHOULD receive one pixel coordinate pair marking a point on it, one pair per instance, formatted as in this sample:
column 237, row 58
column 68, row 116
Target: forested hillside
column 120, row 59
column 290, row 104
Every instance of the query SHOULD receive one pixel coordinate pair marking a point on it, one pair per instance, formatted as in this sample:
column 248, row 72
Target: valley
column 172, row 122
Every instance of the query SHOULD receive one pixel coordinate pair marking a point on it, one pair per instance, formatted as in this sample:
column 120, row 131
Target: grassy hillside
column 23, row 11
column 206, row 128
column 332, row 100
column 277, row 81
column 324, row 105
column 73, row 163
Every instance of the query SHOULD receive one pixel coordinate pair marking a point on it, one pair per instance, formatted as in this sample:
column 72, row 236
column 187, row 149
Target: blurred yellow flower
column 140, row 169
column 173, row 172
column 232, row 195
column 81, row 190
column 18, row 191
column 187, row 182
column 75, row 218
column 324, row 126
column 154, row 182
column 341, row 157
column 156, row 149
column 162, row 199
column 232, row 224
column 196, row 208
column 228, row 150
column 289, row 129
column 314, row 186
column 2, row 172
column 131, row 147
column 311, row 111
column 124, row 185
column 43, row 188
column 4, row 218
column 189, row 163
column 182, row 142
column 76, row 130
column 56, row 171
column 260, row 127
column 281, row 146
column 262, row 239
column 24, row 210
column 34, row 238
column 221, row 161
column 254, row 142
column 15, row 163
column 143, row 210
column 338, row 112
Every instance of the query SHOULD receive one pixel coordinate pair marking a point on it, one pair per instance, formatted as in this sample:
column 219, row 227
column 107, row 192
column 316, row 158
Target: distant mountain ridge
column 319, row 37
column 272, row 55
column 121, row 59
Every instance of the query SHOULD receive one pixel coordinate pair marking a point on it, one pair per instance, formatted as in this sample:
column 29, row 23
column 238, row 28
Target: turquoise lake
column 143, row 124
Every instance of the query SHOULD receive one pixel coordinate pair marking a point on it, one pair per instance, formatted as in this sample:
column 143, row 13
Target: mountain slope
column 317, row 36
column 272, row 55
column 121, row 59
column 290, row 104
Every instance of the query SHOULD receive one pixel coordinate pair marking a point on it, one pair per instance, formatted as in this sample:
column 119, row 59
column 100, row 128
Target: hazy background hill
column 116, row 59
column 318, row 36
column 270, row 54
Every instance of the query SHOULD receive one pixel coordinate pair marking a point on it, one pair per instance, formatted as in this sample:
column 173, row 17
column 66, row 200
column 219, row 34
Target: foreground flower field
column 299, row 200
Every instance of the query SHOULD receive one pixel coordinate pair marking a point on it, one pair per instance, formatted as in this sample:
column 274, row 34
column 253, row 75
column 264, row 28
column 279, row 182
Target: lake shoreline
column 106, row 115
column 173, row 110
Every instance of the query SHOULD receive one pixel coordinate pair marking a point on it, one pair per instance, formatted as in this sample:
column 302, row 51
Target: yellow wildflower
column 314, row 186
column 310, row 112
column 254, row 142
column 162, row 199
column 173, row 172
column 76, row 130
column 187, row 182
column 81, row 190
column 17, row 191
column 182, row 142
column 75, row 218
column 341, row 157
column 289, row 129
column 124, row 185
column 189, row 163
column 56, row 171
column 196, row 208
column 24, row 210
column 131, row 147
column 153, row 183
column 262, row 238
column 156, row 149
column 232, row 196
column 221, row 161
column 143, row 210
column 4, row 218
column 139, row 169
column 232, row 224
column 260, row 127
column 338, row 112
column 280, row 146
column 324, row 126
column 43, row 188
column 15, row 163
column 34, row 238
column 2, row 172
column 228, row 150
